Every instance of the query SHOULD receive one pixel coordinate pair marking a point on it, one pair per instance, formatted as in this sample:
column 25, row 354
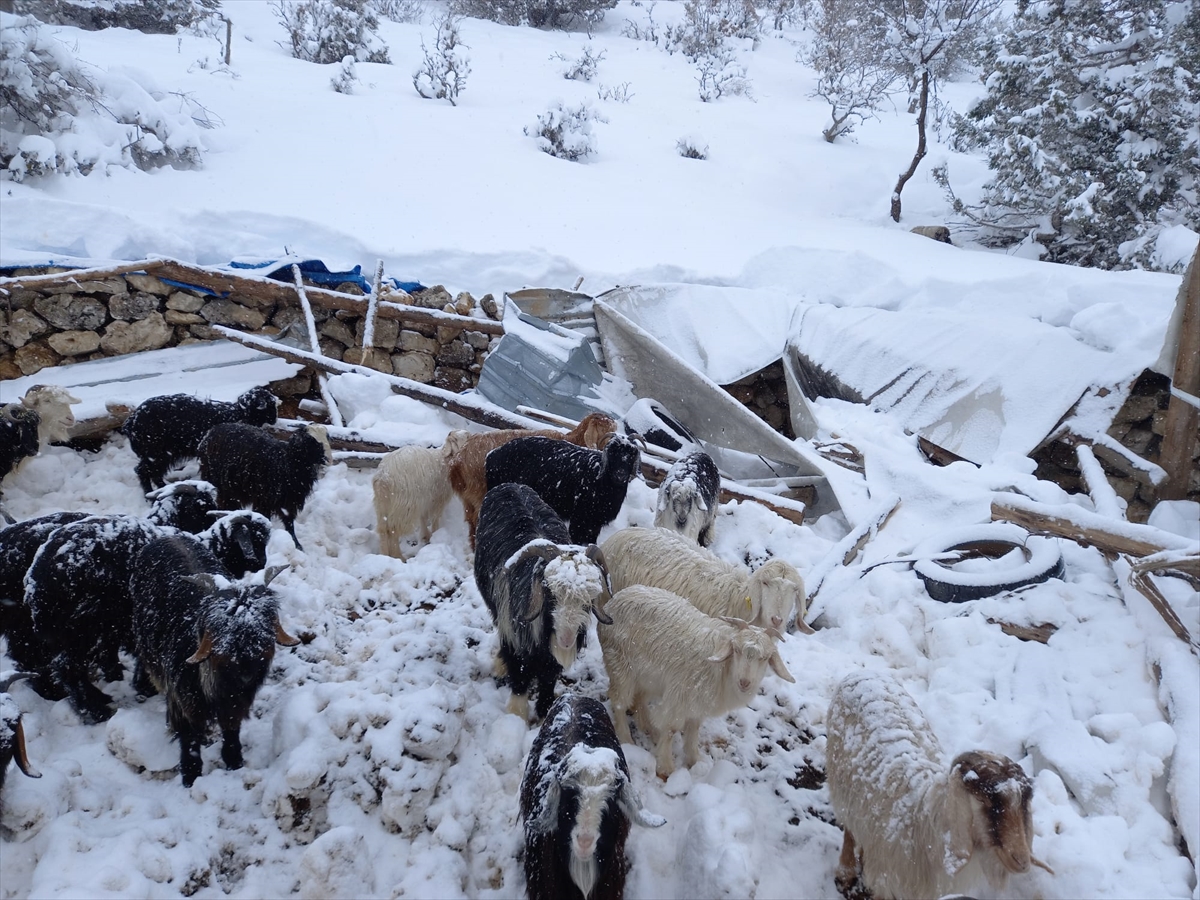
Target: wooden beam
column 58, row 279
column 1183, row 418
column 1088, row 528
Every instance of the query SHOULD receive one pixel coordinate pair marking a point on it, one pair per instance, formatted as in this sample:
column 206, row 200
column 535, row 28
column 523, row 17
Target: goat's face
column 258, row 406
column 775, row 590
column 577, row 584
column 622, row 459
column 749, row 652
column 998, row 795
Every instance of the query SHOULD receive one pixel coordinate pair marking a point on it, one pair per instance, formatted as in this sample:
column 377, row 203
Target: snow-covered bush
column 327, row 31
column 343, row 82
column 708, row 25
column 403, row 11
column 618, row 92
column 851, row 76
column 443, row 74
column 566, row 132
column 691, row 147
column 562, row 14
column 149, row 16
column 583, row 68
column 1089, row 125
column 719, row 73
column 58, row 116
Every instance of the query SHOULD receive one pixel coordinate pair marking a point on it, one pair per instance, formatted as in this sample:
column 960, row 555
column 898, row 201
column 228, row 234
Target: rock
column 350, row 287
column 185, row 302
column 476, row 339
column 435, row 297
column 386, row 332
column 74, row 343
column 938, row 232
column 414, row 366
column 490, row 307
column 34, row 357
column 205, row 332
column 339, row 331
column 448, row 333
column 414, row 340
column 70, row 312
column 226, row 312
column 150, row 333
column 457, row 354
column 149, row 283
column 132, row 307
column 23, row 327
column 21, row 298
column 374, row 358
column 331, row 348
column 296, row 386
column 464, row 303
column 453, row 380
column 174, row 317
column 9, row 369
column 111, row 286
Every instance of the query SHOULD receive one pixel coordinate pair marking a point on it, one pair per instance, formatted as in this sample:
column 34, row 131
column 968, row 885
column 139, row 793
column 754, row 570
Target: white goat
column 665, row 559
column 53, row 406
column 412, row 489
column 677, row 666
column 917, row 822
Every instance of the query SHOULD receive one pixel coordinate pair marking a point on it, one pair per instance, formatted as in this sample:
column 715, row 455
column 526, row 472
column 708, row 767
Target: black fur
column 170, row 617
column 239, row 540
column 18, row 435
column 572, row 721
column 511, row 516
column 77, row 590
column 165, row 430
column 251, row 468
column 585, row 487
column 698, row 470
column 185, row 505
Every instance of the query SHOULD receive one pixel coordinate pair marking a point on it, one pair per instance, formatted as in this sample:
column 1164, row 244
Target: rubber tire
column 1043, row 561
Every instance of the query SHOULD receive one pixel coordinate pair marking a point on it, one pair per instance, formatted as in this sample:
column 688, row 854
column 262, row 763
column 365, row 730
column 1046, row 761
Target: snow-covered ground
column 379, row 759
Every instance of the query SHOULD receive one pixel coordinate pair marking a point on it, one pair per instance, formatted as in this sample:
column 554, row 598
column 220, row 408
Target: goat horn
column 536, row 597
column 203, row 651
column 21, row 754
column 272, row 572
column 737, row 623
column 282, row 637
column 5, row 683
column 541, row 549
column 1041, row 865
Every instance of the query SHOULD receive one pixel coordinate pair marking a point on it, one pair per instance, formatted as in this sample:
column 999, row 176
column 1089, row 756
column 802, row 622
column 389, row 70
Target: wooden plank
column 1087, row 528
column 58, row 279
column 1149, row 590
column 1183, row 419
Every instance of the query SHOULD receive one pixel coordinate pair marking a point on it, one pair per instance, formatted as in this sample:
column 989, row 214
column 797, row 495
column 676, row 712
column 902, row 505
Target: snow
column 379, row 759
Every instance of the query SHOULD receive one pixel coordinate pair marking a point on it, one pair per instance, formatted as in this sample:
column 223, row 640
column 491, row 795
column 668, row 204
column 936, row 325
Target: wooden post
column 228, row 37
column 1183, row 413
column 335, row 414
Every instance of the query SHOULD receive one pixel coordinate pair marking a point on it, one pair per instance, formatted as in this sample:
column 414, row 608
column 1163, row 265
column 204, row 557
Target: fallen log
column 1149, row 590
column 74, row 276
column 1088, row 528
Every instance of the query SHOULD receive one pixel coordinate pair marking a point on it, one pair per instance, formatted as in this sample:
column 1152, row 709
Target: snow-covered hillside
column 379, row 759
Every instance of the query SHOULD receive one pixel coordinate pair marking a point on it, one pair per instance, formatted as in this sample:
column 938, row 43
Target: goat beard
column 583, row 873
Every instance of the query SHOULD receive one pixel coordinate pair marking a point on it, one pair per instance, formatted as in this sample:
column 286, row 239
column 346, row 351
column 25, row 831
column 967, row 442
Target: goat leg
column 846, row 875
column 91, row 703
column 190, row 764
column 231, row 745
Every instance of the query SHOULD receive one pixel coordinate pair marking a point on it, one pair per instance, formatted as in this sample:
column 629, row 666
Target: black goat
column 77, row 590
column 165, row 430
column 585, row 487
column 18, row 436
column 251, row 468
column 523, row 552
column 687, row 498
column 12, row 735
column 206, row 642
column 577, row 803
column 239, row 540
column 184, row 504
column 19, row 543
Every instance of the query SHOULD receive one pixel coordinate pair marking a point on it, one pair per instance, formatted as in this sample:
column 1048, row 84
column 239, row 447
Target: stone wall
column 1137, row 426
column 135, row 312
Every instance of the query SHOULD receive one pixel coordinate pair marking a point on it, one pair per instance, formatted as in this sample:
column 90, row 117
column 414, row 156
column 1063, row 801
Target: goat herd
column 685, row 636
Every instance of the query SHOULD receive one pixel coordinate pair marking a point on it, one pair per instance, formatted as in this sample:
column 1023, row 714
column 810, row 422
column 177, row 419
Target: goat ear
column 631, row 805
column 21, row 756
column 282, row 637
column 961, row 811
column 536, row 596
column 779, row 668
column 724, row 654
column 203, row 580
column 203, row 651
column 548, row 815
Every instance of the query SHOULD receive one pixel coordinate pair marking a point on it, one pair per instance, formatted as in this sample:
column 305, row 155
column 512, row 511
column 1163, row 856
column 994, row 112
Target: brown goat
column 467, row 475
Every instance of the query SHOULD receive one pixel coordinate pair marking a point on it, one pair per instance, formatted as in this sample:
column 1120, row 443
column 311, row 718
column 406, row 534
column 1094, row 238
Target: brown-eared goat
column 577, row 802
column 687, row 498
column 273, row 477
column 469, row 480
column 205, row 641
column 12, row 735
column 540, row 589
column 165, row 430
column 585, row 487
column 913, row 821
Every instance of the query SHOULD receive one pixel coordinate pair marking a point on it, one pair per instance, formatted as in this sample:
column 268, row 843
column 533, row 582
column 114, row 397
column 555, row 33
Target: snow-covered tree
column 443, row 74
column 149, row 16
column 562, row 14
column 327, row 31
column 1090, row 126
